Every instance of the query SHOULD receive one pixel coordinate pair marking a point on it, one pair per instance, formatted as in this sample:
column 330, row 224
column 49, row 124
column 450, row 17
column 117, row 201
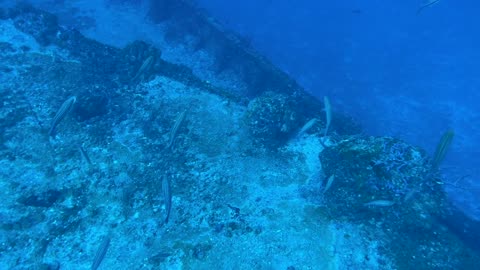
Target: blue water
column 400, row 73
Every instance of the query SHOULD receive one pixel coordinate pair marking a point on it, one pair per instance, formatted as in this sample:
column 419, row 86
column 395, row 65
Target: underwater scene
column 207, row 134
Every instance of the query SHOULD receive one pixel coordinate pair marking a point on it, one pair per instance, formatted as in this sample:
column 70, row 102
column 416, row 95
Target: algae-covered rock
column 138, row 61
column 42, row 26
column 272, row 118
column 391, row 188
column 373, row 169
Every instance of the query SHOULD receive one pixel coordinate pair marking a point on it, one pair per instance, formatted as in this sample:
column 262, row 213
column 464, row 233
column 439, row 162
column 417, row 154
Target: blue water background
column 399, row 73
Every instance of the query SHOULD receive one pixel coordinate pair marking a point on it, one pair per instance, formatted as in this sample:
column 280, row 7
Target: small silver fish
column 381, row 203
column 426, row 4
column 173, row 133
column 64, row 109
column 328, row 119
column 409, row 194
column 101, row 252
column 329, row 183
column 146, row 66
column 167, row 197
column 306, row 127
column 84, row 154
